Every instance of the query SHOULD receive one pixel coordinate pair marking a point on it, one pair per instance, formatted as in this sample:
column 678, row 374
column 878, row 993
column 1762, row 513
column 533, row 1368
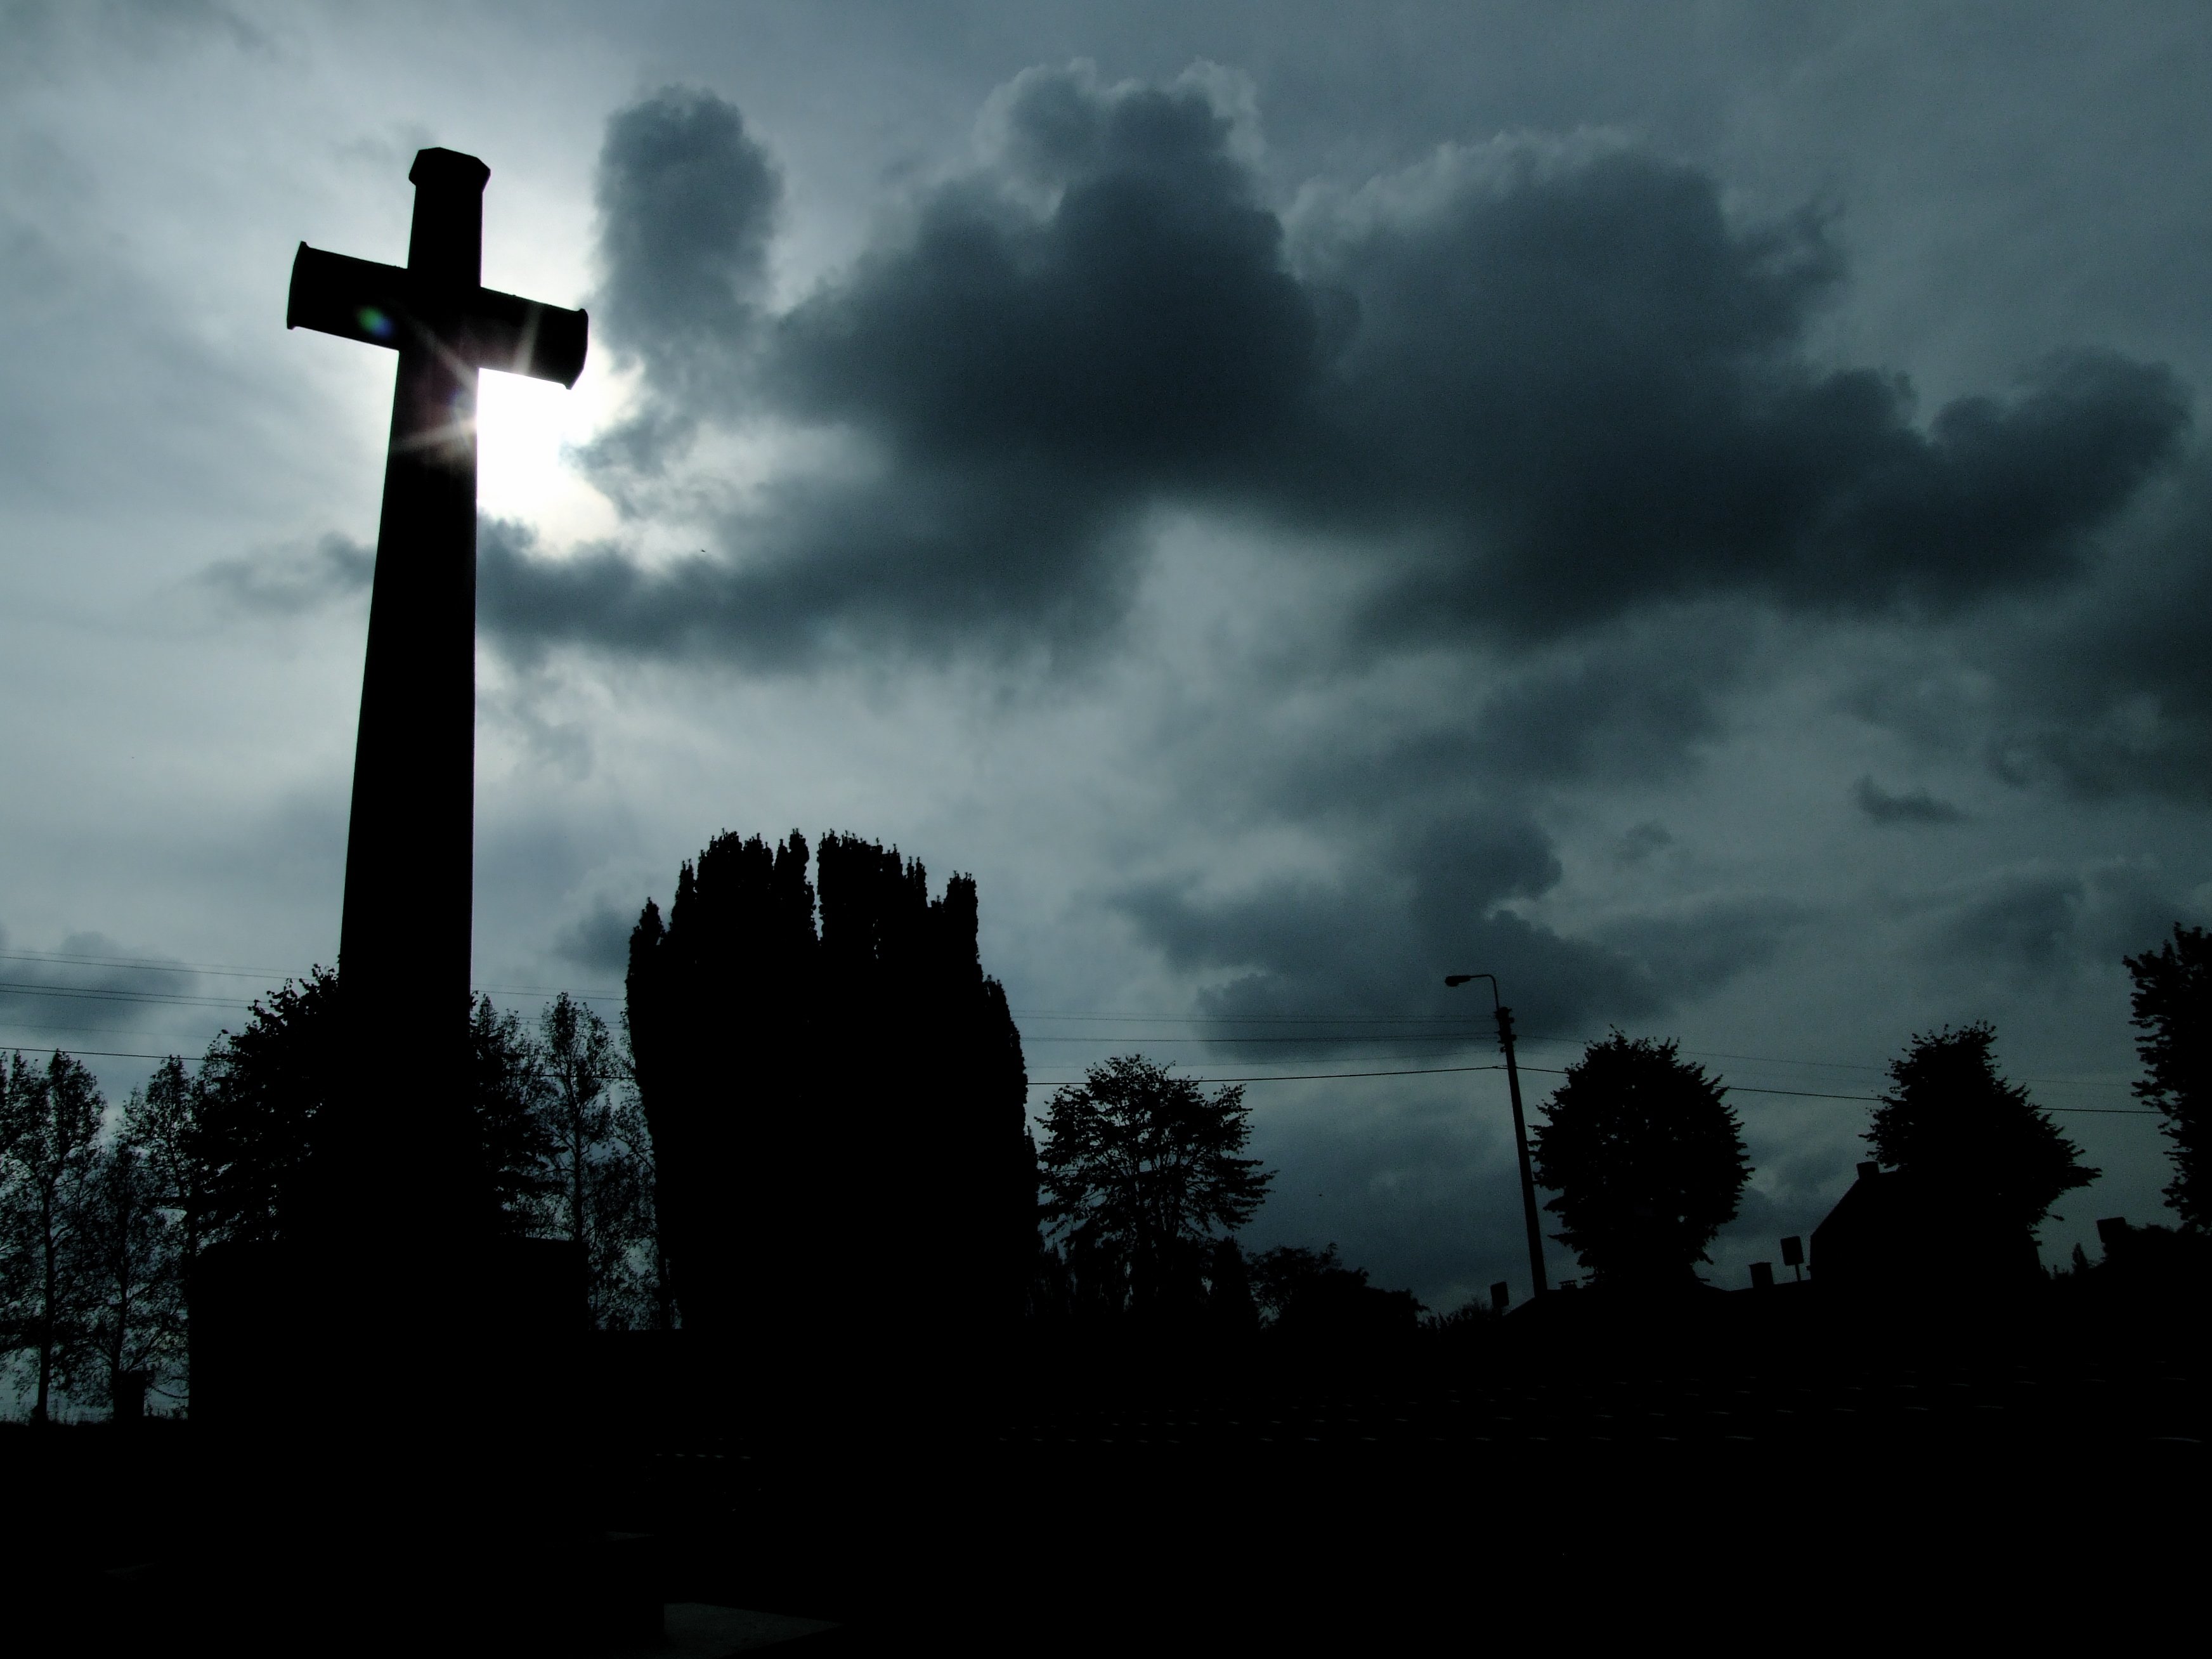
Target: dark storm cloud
column 289, row 581
column 1913, row 806
column 2114, row 695
column 1628, row 705
column 931, row 570
column 1438, row 899
column 2043, row 923
column 1534, row 386
column 1695, row 946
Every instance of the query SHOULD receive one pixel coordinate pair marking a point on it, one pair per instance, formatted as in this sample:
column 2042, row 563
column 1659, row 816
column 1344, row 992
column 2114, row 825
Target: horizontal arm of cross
column 384, row 304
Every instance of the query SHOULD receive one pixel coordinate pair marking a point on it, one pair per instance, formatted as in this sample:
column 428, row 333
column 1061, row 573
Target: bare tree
column 130, row 1244
column 599, row 1197
column 52, row 1144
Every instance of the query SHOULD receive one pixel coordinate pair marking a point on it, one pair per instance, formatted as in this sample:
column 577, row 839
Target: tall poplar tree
column 836, row 1097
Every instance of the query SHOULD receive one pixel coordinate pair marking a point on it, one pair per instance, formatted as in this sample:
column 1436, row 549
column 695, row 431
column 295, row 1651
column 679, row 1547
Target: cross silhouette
column 404, row 943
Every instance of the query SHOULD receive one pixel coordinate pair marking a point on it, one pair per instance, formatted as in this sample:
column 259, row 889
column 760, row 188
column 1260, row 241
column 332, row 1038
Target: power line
column 1464, row 1030
column 103, row 993
column 142, row 963
column 1143, row 1040
column 1554, row 1070
column 95, row 1053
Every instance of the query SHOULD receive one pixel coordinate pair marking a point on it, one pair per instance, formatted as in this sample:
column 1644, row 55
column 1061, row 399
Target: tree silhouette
column 511, row 1098
column 166, row 1121
column 1140, row 1170
column 1647, row 1158
column 1311, row 1296
column 50, row 1126
column 599, row 1194
column 260, row 1090
column 132, row 1240
column 2173, row 1010
column 1953, row 1125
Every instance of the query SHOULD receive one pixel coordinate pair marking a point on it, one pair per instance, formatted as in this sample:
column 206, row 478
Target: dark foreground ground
column 1797, row 1482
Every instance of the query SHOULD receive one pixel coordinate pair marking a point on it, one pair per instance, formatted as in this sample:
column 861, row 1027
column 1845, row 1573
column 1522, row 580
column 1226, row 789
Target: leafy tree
column 599, row 1194
column 51, row 1135
column 2173, row 1009
column 1950, row 1121
column 237, row 1145
column 1647, row 1158
column 1140, row 1170
column 236, row 1142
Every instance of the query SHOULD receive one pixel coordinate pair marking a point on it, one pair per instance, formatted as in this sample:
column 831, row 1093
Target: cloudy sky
column 1698, row 511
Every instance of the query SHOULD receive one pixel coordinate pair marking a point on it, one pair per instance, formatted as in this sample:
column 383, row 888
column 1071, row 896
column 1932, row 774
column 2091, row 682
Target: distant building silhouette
column 1895, row 1235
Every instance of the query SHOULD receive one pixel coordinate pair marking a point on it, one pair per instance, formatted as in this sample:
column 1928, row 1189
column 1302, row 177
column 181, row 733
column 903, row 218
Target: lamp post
column 1520, row 1127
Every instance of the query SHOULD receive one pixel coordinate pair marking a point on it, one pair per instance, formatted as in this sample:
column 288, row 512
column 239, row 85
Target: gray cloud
column 1641, row 840
column 599, row 940
column 290, row 581
column 687, row 202
column 1536, row 384
column 89, row 990
column 1913, row 806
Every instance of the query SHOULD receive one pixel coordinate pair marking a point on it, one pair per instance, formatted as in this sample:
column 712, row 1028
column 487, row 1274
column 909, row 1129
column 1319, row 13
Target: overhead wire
column 1462, row 1029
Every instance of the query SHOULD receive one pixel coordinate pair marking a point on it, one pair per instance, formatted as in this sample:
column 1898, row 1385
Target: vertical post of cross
column 404, row 943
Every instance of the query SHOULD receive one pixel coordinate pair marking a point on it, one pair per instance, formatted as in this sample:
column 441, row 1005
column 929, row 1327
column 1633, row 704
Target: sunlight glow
column 522, row 426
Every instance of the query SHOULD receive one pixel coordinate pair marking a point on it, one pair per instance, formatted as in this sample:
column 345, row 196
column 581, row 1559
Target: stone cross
column 404, row 944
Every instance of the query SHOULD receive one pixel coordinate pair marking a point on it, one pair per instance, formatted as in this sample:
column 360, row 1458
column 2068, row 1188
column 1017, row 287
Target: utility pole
column 1520, row 1130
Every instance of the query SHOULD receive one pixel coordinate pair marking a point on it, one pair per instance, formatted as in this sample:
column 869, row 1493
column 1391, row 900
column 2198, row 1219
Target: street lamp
column 1520, row 1127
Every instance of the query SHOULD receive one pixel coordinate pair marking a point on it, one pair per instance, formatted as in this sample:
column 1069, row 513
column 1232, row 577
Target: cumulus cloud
column 1544, row 411
column 1529, row 387
column 686, row 202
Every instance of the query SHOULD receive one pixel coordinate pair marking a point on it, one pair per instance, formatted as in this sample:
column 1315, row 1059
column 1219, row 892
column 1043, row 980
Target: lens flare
column 374, row 322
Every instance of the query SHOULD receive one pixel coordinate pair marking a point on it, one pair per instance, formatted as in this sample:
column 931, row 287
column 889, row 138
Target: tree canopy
column 1647, row 1160
column 2172, row 1011
column 1950, row 1121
